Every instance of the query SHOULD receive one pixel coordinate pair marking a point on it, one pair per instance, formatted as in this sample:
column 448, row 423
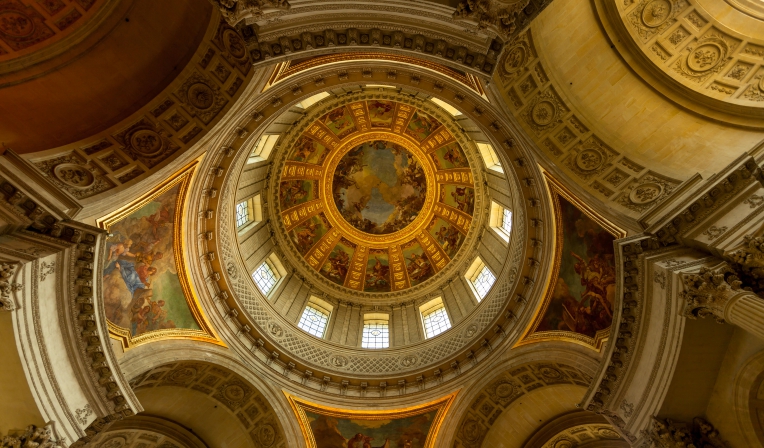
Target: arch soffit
column 148, row 366
column 747, row 377
column 525, row 359
column 257, row 115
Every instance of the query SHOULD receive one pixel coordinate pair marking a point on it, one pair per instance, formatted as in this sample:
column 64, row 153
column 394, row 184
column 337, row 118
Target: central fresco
column 379, row 187
column 376, row 196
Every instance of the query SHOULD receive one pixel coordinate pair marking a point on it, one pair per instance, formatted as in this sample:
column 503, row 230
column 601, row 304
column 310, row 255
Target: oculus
column 376, row 195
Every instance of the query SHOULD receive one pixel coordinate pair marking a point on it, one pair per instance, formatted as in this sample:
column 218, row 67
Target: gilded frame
column 206, row 332
column 555, row 190
column 299, row 406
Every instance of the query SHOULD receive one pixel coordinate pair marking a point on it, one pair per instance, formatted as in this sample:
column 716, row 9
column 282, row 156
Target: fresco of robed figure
column 336, row 432
column 583, row 295
column 379, row 187
column 141, row 288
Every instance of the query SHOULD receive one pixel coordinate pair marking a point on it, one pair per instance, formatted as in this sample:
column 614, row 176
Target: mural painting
column 307, row 234
column 337, row 432
column 422, row 125
column 141, row 287
column 450, row 156
column 309, row 151
column 377, row 271
column 447, row 235
column 296, row 192
column 418, row 266
column 460, row 198
column 379, row 187
column 381, row 113
column 340, row 122
column 583, row 292
column 337, row 265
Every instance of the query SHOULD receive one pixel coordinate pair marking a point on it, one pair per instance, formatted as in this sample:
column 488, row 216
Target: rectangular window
column 490, row 157
column 376, row 331
column 242, row 213
column 315, row 317
column 501, row 221
column 311, row 100
column 481, row 278
column 434, row 317
column 263, row 148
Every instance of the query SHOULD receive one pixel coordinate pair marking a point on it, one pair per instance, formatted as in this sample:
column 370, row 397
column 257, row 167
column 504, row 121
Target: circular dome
column 376, row 195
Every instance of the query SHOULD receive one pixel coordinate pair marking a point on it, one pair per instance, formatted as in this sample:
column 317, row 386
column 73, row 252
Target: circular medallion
column 564, row 443
column 409, row 361
column 74, row 175
column 656, row 13
column 515, row 59
column 266, row 435
column 471, row 430
column 589, row 160
column 146, row 142
column 15, row 24
column 379, row 187
column 471, row 330
column 234, row 392
column 338, row 361
column 182, row 375
column 543, row 113
column 646, row 193
column 275, row 330
column 607, row 433
column 234, row 44
column 705, row 57
column 201, row 96
column 550, row 373
column 504, row 390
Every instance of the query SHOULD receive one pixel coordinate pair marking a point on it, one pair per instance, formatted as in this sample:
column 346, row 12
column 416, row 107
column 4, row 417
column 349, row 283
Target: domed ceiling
column 377, row 196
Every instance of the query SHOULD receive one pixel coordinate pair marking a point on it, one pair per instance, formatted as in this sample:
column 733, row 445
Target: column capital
column 709, row 291
column 7, row 270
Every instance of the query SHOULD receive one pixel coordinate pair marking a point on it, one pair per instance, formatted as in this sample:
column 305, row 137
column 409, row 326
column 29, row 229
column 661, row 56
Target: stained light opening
column 268, row 274
column 434, row 317
column 501, row 221
column 315, row 317
column 376, row 331
column 490, row 158
column 481, row 278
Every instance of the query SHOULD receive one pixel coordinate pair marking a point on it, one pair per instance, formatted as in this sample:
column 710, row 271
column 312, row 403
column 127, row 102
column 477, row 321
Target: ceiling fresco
column 414, row 427
column 578, row 305
column 377, row 196
column 146, row 292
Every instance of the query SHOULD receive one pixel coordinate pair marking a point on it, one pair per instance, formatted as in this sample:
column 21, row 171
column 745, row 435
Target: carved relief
column 645, row 193
column 590, row 158
column 79, row 178
column 202, row 97
column 706, row 57
column 499, row 16
column 32, row 437
column 652, row 17
column 146, row 142
column 234, row 11
column 6, row 272
column 671, row 434
column 707, row 292
column 545, row 111
column 516, row 57
column 232, row 47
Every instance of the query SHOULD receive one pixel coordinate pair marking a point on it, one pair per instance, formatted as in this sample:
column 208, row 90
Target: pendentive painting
column 142, row 281
column 582, row 290
column 333, row 428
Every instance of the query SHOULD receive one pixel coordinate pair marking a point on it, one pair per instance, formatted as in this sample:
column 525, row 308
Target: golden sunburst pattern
column 377, row 196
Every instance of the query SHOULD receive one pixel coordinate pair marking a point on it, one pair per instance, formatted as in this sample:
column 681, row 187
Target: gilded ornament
column 646, row 193
column 656, row 13
column 75, row 175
